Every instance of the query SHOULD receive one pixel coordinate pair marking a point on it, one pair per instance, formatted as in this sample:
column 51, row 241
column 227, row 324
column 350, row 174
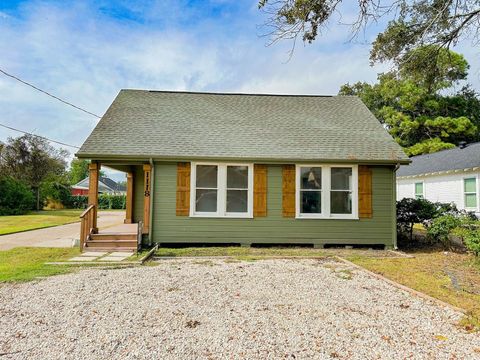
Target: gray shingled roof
column 185, row 125
column 104, row 184
column 445, row 160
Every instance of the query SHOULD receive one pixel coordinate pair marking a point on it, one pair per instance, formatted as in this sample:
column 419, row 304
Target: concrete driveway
column 58, row 236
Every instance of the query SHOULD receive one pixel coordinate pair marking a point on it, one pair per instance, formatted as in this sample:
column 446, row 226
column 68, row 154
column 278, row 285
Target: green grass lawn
column 25, row 264
column 37, row 220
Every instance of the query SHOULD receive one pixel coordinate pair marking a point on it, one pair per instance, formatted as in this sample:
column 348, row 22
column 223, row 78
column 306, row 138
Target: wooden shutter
column 183, row 189
column 365, row 210
column 288, row 190
column 259, row 190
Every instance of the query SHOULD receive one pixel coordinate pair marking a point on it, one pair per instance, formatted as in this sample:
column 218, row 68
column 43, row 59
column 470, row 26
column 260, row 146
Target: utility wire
column 47, row 93
column 42, row 137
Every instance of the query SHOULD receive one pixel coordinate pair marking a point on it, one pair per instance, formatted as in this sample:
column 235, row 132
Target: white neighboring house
column 445, row 176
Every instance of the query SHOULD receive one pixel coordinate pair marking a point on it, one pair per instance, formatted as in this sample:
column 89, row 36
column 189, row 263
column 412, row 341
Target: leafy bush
column 77, row 202
column 55, row 190
column 15, row 197
column 107, row 201
column 414, row 211
column 421, row 211
column 472, row 241
column 469, row 231
column 441, row 227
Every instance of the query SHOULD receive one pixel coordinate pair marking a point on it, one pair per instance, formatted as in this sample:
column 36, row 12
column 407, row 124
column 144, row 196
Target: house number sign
column 147, row 183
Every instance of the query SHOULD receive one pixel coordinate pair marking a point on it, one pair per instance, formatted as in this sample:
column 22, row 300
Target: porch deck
column 121, row 237
column 119, row 229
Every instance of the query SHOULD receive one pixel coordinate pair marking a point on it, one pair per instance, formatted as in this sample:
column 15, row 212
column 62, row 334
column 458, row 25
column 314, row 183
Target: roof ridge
column 235, row 93
column 443, row 150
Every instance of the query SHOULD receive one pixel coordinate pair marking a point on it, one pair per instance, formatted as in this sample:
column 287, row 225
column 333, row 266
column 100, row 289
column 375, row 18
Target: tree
column 412, row 105
column 15, row 197
column 413, row 23
column 78, row 170
column 31, row 159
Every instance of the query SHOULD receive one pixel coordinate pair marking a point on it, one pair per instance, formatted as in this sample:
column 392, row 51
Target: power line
column 42, row 137
column 47, row 93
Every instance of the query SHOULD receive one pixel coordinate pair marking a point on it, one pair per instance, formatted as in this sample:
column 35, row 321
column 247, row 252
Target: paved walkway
column 91, row 256
column 58, row 236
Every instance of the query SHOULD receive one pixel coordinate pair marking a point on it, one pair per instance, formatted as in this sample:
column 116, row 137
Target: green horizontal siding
column 169, row 228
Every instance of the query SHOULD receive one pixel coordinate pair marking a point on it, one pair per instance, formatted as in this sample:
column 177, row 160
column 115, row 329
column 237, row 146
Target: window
column 327, row 191
column 470, row 192
column 207, row 188
column 222, row 190
column 311, row 190
column 237, row 189
column 341, row 191
column 419, row 190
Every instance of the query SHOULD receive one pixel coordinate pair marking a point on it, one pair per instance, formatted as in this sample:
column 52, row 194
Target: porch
column 129, row 235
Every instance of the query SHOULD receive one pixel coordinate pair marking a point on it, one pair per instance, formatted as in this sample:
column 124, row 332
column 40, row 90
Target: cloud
column 85, row 52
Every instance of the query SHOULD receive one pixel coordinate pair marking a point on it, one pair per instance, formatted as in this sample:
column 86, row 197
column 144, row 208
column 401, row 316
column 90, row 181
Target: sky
column 86, row 51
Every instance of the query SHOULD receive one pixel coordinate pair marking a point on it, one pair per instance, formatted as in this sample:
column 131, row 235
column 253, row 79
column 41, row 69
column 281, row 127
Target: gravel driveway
column 201, row 309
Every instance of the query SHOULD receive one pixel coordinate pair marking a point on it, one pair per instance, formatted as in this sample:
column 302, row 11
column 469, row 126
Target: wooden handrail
column 86, row 224
column 90, row 207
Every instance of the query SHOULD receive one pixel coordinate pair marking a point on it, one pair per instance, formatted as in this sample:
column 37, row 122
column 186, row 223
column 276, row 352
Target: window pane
column 341, row 178
column 311, row 202
column 206, row 201
column 341, row 202
column 237, row 177
column 471, row 200
column 310, row 178
column 237, row 201
column 469, row 185
column 418, row 196
column 419, row 188
column 207, row 176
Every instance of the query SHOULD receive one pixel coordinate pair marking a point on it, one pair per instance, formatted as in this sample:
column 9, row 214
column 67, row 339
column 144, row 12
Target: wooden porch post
column 94, row 171
column 129, row 204
column 147, row 171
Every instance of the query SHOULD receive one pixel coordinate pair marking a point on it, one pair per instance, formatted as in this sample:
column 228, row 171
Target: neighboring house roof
column 104, row 185
column 446, row 160
column 113, row 184
column 185, row 125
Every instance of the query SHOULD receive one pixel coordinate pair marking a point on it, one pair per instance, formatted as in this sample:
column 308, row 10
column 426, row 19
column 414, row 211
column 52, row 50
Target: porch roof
column 185, row 125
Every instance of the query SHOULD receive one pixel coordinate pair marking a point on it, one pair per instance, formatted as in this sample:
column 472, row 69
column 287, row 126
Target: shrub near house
column 441, row 220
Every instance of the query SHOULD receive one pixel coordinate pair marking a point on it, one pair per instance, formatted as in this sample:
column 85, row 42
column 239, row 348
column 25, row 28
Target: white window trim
column 221, row 191
column 326, row 186
column 477, row 192
column 415, row 189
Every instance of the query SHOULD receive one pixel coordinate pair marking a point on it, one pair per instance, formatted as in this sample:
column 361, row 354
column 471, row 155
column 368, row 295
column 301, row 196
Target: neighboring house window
column 470, row 192
column 327, row 191
column 222, row 190
column 419, row 190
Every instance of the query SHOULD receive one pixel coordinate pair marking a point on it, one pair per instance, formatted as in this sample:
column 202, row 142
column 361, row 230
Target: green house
column 245, row 169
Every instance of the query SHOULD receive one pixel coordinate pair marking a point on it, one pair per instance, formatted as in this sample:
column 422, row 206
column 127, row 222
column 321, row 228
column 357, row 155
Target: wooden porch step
column 113, row 236
column 113, row 244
